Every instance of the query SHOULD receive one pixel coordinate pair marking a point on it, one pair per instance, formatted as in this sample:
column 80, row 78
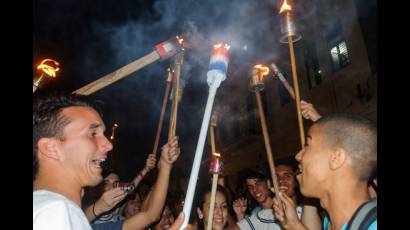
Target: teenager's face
column 258, row 189
column 220, row 211
column 287, row 180
column 313, row 163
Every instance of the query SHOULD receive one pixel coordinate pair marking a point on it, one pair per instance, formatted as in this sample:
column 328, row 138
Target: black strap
column 364, row 216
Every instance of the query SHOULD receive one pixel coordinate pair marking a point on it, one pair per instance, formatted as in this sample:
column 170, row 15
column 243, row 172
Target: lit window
column 339, row 56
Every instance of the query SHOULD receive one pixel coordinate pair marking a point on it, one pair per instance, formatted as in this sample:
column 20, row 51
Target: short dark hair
column 248, row 173
column 290, row 161
column 357, row 136
column 48, row 120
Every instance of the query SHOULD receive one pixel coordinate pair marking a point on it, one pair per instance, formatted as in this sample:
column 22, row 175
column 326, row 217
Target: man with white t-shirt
column 68, row 148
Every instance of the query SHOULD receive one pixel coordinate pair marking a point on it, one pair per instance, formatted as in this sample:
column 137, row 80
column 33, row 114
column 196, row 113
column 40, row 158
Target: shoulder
column 262, row 219
column 54, row 211
column 45, row 201
column 373, row 226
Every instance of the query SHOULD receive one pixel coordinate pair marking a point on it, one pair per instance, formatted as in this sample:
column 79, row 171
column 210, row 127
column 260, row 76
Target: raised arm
column 149, row 165
column 151, row 213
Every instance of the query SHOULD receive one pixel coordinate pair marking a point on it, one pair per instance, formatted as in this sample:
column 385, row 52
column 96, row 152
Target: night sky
column 93, row 38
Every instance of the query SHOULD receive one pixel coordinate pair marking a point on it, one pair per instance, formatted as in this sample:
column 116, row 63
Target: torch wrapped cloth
column 216, row 74
column 285, row 83
column 163, row 51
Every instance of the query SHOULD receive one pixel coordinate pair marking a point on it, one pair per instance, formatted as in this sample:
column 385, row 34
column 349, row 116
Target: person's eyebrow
column 96, row 126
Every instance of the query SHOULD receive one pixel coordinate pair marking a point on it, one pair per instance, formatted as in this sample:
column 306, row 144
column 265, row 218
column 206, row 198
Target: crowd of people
column 330, row 184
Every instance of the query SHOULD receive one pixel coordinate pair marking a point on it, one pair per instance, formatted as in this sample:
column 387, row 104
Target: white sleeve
column 53, row 216
column 244, row 224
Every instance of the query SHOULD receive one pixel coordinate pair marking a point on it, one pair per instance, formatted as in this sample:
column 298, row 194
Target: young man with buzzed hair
column 335, row 165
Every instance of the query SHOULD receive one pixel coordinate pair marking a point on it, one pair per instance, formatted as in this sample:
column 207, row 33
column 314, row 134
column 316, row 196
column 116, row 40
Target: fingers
column 171, row 151
column 178, row 222
column 278, row 211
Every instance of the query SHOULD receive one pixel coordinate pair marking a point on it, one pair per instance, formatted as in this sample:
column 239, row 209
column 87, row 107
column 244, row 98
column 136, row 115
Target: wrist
column 163, row 163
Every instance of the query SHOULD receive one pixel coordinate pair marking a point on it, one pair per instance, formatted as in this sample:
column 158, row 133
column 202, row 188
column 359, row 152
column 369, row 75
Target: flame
column 217, row 46
column 285, row 7
column 263, row 70
column 227, row 47
column 180, row 39
column 113, row 131
column 47, row 69
column 216, row 154
column 220, row 45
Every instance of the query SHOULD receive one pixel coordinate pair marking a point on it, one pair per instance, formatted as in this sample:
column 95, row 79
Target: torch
column 162, row 51
column 289, row 31
column 109, row 163
column 114, row 127
column 47, row 70
column 216, row 74
column 257, row 85
column 215, row 169
column 164, row 107
column 175, row 85
column 282, row 79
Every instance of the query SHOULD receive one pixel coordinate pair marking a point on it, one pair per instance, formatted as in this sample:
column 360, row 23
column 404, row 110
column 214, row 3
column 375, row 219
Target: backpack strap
column 364, row 216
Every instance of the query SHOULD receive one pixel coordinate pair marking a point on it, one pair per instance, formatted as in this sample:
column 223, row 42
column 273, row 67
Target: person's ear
column 47, row 147
column 337, row 158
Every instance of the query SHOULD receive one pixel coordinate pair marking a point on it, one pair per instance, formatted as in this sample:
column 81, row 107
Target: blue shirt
column 326, row 223
column 108, row 226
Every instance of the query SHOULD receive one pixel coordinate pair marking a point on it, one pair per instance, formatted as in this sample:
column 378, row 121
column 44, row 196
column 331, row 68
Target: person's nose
column 298, row 156
column 106, row 145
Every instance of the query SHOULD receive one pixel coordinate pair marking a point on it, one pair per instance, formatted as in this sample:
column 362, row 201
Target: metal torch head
column 169, row 47
column 216, row 164
column 287, row 27
column 256, row 80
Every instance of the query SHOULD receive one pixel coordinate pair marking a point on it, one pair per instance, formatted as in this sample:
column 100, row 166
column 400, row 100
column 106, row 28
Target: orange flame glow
column 216, row 154
column 285, row 7
column 220, row 45
column 263, row 70
column 113, row 131
column 180, row 40
column 48, row 69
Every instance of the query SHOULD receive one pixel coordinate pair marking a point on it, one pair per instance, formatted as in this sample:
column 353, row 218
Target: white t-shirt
column 52, row 211
column 262, row 219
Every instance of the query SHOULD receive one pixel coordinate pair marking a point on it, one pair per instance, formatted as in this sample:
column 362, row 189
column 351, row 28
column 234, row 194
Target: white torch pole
column 215, row 76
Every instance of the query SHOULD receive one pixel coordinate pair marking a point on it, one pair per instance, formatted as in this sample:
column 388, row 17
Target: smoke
column 118, row 33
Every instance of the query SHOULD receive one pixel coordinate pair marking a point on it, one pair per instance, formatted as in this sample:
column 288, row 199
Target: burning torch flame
column 216, row 154
column 263, row 70
column 47, row 69
column 180, row 40
column 113, row 131
column 219, row 45
column 285, row 7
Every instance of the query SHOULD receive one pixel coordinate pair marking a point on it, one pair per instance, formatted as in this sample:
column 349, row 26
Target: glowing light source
column 48, row 69
column 285, row 7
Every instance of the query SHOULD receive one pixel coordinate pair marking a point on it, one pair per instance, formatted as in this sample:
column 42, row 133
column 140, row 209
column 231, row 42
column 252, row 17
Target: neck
column 54, row 183
column 268, row 203
column 343, row 200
